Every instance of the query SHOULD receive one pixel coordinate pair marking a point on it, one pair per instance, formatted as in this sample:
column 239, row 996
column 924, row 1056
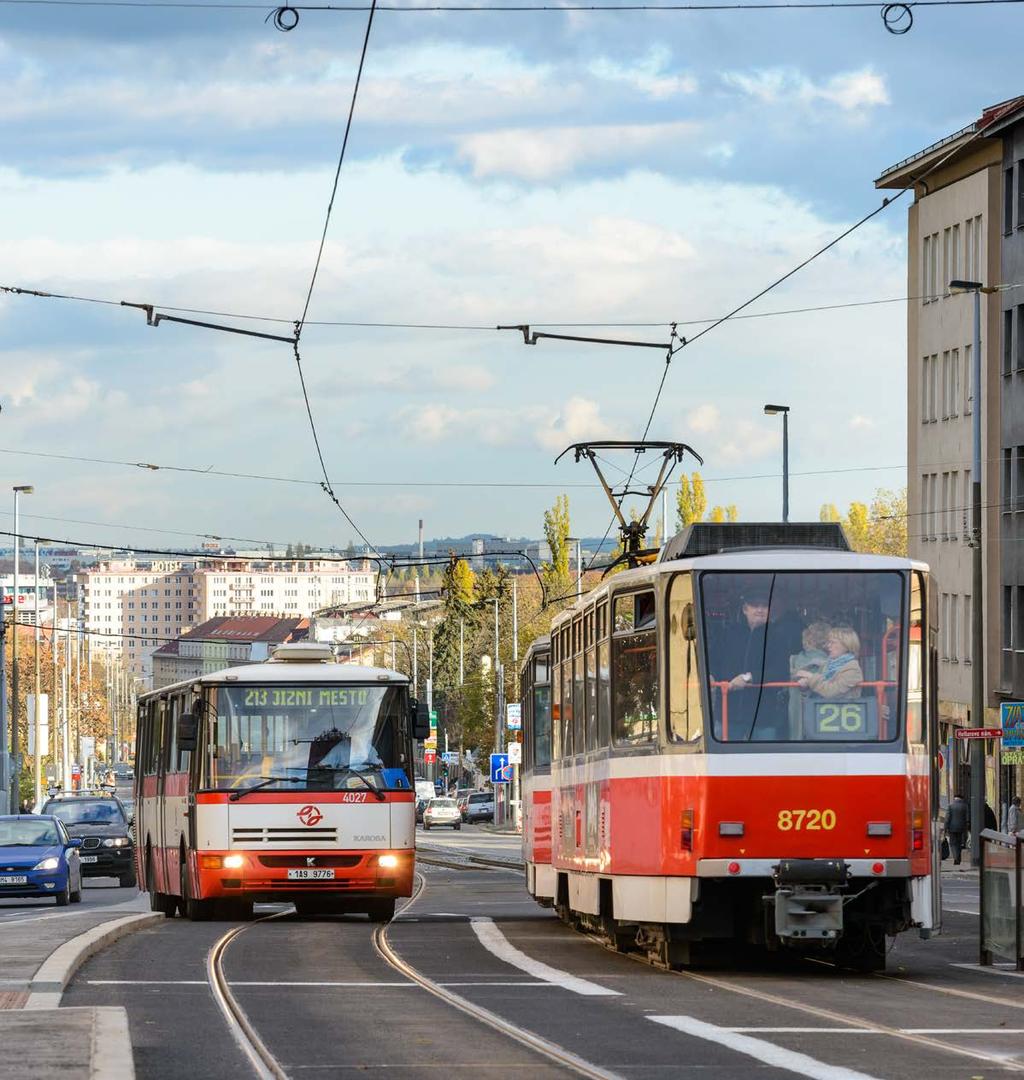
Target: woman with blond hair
column 842, row 675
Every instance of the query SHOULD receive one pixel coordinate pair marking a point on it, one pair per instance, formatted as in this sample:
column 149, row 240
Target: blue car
column 39, row 858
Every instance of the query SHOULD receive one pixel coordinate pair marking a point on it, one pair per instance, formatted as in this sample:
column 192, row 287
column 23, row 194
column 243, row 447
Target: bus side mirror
column 188, row 730
column 420, row 721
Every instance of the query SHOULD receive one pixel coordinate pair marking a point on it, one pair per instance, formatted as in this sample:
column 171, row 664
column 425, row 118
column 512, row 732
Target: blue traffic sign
column 501, row 771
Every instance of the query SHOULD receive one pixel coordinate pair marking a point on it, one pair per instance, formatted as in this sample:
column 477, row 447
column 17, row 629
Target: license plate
column 88, row 858
column 13, row 879
column 317, row 874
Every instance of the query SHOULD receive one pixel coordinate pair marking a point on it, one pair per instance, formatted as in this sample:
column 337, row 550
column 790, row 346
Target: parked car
column 100, row 821
column 442, row 812
column 39, row 858
column 421, row 805
column 480, row 806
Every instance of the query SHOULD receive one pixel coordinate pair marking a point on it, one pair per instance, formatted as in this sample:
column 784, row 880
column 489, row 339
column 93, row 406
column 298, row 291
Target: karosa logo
column 309, row 815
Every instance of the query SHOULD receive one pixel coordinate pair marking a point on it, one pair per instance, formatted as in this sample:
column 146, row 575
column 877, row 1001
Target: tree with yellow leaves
column 691, row 500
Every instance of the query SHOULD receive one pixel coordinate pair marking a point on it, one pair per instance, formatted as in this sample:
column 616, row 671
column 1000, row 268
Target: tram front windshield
column 804, row 657
column 323, row 738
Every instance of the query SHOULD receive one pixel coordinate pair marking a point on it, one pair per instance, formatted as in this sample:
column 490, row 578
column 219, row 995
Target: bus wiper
column 267, row 781
column 351, row 770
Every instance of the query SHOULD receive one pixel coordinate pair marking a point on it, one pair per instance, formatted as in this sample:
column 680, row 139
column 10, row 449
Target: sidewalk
column 39, row 955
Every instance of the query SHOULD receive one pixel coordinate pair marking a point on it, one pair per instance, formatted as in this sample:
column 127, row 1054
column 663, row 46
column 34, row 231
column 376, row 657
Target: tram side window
column 635, row 670
column 154, row 740
column 578, row 705
column 171, row 710
column 591, row 661
column 566, row 725
column 556, row 701
column 542, row 725
column 685, row 714
column 916, row 663
column 604, row 678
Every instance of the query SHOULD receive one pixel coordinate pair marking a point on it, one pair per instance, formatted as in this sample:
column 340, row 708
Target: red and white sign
column 430, row 756
column 309, row 815
column 978, row 733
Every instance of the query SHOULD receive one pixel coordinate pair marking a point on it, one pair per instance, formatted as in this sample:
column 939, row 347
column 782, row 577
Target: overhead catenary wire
column 19, row 290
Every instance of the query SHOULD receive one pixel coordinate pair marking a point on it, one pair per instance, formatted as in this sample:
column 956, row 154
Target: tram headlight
column 388, row 862
column 234, row 862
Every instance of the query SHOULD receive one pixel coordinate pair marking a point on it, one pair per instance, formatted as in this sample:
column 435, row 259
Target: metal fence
column 1002, row 898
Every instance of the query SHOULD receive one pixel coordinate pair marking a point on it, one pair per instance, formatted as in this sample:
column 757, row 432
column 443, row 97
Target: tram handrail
column 725, row 685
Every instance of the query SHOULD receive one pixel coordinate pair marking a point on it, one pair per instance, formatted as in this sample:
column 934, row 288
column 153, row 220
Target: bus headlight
column 388, row 862
column 233, row 862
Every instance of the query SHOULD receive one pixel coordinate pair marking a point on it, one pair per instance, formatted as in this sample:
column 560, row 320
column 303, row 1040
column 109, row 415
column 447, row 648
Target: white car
column 442, row 812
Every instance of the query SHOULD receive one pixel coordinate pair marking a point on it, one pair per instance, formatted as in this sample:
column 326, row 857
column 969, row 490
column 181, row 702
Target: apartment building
column 221, row 643
column 954, row 231
column 133, row 608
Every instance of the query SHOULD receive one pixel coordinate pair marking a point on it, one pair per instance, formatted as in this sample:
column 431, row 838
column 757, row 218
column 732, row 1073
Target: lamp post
column 773, row 410
column 977, row 585
column 19, row 489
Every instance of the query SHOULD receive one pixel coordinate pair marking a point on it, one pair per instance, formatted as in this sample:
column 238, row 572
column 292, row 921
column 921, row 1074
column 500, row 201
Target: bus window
column 173, row 711
column 635, row 670
column 684, row 704
column 154, row 739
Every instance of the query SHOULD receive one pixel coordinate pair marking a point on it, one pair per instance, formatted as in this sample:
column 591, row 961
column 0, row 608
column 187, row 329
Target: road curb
column 56, row 971
column 112, row 1045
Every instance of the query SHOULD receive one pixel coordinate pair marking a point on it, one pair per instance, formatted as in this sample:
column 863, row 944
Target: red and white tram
column 282, row 781
column 535, row 695
column 743, row 750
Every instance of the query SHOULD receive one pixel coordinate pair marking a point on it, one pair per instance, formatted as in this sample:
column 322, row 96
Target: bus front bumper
column 285, row 875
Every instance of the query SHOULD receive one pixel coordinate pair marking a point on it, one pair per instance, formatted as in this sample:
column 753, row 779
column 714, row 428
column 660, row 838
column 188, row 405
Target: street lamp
column 773, row 410
column 19, row 490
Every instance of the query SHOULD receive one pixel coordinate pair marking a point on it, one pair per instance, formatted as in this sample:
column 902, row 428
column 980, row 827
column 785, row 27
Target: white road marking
column 495, row 942
column 995, row 969
column 202, row 982
column 869, row 1031
column 776, row 1056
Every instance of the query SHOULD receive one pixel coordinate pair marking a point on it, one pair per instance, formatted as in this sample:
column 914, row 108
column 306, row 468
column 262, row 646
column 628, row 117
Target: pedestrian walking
column 958, row 824
column 1013, row 816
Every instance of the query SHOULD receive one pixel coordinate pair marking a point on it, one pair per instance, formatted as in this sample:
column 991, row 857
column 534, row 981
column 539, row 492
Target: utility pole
column 415, row 663
column 462, row 651
column 15, row 776
column 37, row 763
column 977, row 751
column 5, row 756
column 515, row 626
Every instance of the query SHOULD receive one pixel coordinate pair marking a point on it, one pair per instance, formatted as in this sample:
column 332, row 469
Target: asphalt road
column 96, row 893
column 326, row 1003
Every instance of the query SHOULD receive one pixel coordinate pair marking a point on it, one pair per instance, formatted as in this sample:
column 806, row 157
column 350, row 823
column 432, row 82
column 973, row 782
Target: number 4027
column 807, row 820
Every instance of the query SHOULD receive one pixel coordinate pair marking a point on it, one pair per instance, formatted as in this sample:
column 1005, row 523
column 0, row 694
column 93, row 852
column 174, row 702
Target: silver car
column 442, row 812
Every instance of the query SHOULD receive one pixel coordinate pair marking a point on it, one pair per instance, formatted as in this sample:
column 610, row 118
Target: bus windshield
column 321, row 738
column 804, row 657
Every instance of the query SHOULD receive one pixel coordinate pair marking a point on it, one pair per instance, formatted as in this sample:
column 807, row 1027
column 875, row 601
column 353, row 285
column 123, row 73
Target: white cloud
column 547, row 153
column 577, row 421
column 648, row 76
column 704, row 418
column 859, row 422
column 851, row 91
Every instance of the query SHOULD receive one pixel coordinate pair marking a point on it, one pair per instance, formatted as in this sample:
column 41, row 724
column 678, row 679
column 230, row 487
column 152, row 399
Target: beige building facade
column 953, row 232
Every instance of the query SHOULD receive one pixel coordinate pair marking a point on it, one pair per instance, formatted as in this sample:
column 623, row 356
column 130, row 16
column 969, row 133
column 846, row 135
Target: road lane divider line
column 871, row 1031
column 558, row 1054
column 952, row 991
column 855, row 1021
column 495, row 942
column 768, row 1053
column 995, row 969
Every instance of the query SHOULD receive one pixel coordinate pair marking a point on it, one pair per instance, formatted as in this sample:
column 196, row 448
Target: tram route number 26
column 806, row 820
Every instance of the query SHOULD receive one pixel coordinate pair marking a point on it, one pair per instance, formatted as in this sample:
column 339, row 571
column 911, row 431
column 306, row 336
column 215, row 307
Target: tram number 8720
column 806, row 820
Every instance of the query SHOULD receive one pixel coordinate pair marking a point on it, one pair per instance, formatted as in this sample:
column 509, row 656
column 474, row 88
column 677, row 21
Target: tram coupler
column 808, row 902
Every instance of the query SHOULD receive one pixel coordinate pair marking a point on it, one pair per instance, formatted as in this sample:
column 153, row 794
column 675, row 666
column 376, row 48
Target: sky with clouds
column 552, row 167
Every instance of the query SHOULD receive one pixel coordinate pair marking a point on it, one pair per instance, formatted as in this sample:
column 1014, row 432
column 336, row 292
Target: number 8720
column 806, row 820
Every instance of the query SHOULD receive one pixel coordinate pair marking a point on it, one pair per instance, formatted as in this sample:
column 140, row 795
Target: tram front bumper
column 279, row 875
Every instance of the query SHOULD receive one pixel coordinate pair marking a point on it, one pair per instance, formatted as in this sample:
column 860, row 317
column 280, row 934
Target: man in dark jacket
column 958, row 824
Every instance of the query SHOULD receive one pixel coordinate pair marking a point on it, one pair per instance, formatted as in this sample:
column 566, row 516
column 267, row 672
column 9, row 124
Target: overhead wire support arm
column 155, row 318
column 531, row 338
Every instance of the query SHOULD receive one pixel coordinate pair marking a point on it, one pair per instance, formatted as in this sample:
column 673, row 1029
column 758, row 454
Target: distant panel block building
column 221, row 643
column 132, row 608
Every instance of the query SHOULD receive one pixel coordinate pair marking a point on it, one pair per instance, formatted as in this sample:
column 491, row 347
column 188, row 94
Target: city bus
column 742, row 751
column 283, row 781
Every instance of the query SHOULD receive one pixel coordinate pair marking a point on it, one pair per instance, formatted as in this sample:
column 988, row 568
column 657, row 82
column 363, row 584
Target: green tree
column 557, row 527
column 691, row 500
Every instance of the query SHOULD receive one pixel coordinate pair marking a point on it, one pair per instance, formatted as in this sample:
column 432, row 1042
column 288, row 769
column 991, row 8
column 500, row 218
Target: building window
column 926, row 270
column 954, row 628
column 968, row 380
column 954, row 382
column 1018, row 619
column 1007, row 201
column 944, row 618
column 1018, row 502
column 1008, row 341
column 1007, row 492
column 1020, row 337
column 968, row 645
column 1007, row 633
